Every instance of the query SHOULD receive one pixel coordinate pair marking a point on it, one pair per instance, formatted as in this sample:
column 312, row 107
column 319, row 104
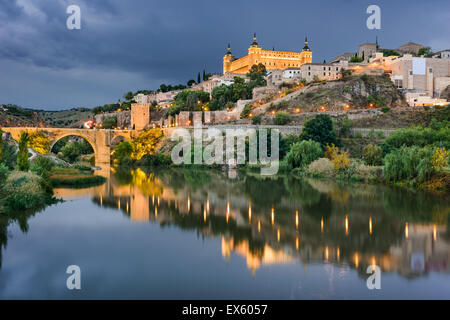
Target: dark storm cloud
column 137, row 44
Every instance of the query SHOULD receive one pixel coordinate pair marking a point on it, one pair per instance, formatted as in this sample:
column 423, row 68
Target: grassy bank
column 74, row 177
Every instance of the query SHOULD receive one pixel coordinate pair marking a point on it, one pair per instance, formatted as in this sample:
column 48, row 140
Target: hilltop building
column 271, row 59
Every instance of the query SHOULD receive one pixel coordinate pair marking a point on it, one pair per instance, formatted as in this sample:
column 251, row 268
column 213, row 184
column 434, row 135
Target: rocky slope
column 356, row 92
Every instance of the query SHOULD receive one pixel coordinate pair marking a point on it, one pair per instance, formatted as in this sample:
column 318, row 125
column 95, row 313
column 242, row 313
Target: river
column 188, row 234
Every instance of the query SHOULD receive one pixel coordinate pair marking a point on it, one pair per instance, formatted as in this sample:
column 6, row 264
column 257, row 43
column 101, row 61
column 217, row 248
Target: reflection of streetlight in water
column 296, row 219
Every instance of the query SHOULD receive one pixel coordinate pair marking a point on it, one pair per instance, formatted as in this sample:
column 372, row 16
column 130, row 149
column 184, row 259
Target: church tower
column 306, row 54
column 227, row 58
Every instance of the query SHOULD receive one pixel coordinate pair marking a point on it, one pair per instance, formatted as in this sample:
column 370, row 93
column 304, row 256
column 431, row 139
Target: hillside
column 13, row 115
column 357, row 92
column 66, row 118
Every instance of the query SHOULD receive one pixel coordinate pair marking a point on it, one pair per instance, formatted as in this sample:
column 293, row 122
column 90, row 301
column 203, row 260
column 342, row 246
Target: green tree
column 23, row 164
column 191, row 82
column 320, row 129
column 303, row 153
column 425, row 51
column 198, row 78
column 282, row 118
column 122, row 151
column 256, row 75
column 128, row 95
column 110, row 123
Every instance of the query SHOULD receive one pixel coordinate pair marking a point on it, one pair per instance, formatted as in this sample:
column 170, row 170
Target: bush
column 408, row 163
column 246, row 111
column 341, row 161
column 4, row 171
column 372, row 155
column 23, row 163
column 321, row 166
column 420, row 137
column 440, row 158
column 123, row 150
column 331, row 151
column 282, row 118
column 42, row 166
column 303, row 153
column 25, row 190
column 320, row 129
column 156, row 159
column 40, row 142
column 109, row 123
column 256, row 119
column 385, row 109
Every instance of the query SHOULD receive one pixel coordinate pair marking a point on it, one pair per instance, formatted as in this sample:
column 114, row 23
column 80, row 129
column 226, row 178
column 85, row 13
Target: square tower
column 140, row 116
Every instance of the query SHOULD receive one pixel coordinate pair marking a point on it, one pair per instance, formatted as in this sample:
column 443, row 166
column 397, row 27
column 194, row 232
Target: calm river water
column 182, row 233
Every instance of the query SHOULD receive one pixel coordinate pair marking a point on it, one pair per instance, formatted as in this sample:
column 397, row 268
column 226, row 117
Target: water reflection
column 280, row 220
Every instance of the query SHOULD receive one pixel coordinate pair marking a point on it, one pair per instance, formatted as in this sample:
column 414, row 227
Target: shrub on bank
column 409, row 163
column 372, row 155
column 25, row 190
column 321, row 167
column 303, row 153
column 282, row 118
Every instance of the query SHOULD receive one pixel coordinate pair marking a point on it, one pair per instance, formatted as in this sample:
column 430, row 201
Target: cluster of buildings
column 421, row 79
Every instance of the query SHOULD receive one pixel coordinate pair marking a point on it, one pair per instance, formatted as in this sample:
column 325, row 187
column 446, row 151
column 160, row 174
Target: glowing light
column 189, row 203
column 278, row 235
column 204, row 215
column 338, row 253
column 250, row 212
column 153, row 200
column 156, row 211
column 434, row 233
column 158, row 201
column 321, row 224
column 207, row 205
column 406, row 230
column 228, row 211
column 127, row 206
column 273, row 216
column 296, row 243
column 356, row 260
column 370, row 225
column 101, row 201
column 296, row 219
column 297, row 110
column 118, row 204
column 259, row 226
column 373, row 262
column 346, row 225
column 326, row 253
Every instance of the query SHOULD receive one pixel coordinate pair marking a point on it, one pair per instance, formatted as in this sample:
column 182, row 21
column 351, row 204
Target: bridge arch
column 74, row 134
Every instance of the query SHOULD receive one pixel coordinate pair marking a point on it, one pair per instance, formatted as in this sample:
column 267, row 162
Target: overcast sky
column 138, row 44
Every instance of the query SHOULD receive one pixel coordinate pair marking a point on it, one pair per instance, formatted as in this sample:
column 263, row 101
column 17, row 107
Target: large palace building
column 270, row 58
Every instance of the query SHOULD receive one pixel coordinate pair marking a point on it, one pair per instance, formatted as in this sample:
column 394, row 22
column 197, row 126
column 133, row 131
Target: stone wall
column 123, row 118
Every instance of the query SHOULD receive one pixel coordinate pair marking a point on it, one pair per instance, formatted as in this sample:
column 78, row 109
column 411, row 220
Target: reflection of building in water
column 266, row 256
column 266, row 233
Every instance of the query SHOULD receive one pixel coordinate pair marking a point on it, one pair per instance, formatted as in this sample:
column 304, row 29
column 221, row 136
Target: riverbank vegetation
column 28, row 185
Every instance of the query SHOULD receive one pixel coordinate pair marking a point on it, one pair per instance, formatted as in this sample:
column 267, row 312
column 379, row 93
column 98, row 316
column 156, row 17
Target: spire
column 376, row 42
column 229, row 50
column 306, row 48
column 254, row 43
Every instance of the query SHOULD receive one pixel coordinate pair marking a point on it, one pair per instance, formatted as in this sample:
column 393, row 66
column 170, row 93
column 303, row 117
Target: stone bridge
column 102, row 141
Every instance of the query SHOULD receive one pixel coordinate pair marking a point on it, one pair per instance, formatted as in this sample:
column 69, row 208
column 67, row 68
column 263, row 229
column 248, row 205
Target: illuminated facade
column 271, row 59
